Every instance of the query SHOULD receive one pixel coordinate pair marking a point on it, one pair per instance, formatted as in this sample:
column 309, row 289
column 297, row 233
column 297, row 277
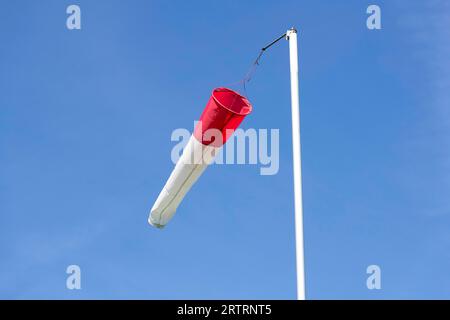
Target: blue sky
column 85, row 123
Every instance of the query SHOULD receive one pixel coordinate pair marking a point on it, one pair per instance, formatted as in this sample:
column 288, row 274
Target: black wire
column 273, row 42
column 255, row 64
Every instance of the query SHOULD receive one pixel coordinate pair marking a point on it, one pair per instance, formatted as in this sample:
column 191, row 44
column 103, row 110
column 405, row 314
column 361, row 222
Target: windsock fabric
column 223, row 113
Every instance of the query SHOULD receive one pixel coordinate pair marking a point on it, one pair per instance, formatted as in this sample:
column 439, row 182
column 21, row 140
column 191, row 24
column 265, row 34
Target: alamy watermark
column 73, row 21
column 250, row 146
column 374, row 279
column 73, row 281
column 373, row 22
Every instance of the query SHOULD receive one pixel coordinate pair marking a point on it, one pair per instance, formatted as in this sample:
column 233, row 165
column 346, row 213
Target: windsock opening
column 223, row 113
column 232, row 101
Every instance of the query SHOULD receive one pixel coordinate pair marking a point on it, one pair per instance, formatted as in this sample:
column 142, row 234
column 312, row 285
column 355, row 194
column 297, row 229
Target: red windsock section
column 223, row 113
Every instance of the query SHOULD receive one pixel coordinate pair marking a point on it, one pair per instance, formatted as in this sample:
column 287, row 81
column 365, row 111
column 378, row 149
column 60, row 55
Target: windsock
column 223, row 113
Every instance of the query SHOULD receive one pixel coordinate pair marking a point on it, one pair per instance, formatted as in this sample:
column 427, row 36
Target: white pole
column 291, row 35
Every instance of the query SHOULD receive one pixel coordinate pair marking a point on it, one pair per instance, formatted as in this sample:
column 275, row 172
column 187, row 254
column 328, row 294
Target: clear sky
column 85, row 123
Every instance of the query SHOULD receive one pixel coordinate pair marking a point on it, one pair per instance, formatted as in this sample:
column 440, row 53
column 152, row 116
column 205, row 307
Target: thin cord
column 249, row 75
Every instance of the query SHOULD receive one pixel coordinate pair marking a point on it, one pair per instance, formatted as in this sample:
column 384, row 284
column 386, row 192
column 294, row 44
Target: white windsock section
column 194, row 160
